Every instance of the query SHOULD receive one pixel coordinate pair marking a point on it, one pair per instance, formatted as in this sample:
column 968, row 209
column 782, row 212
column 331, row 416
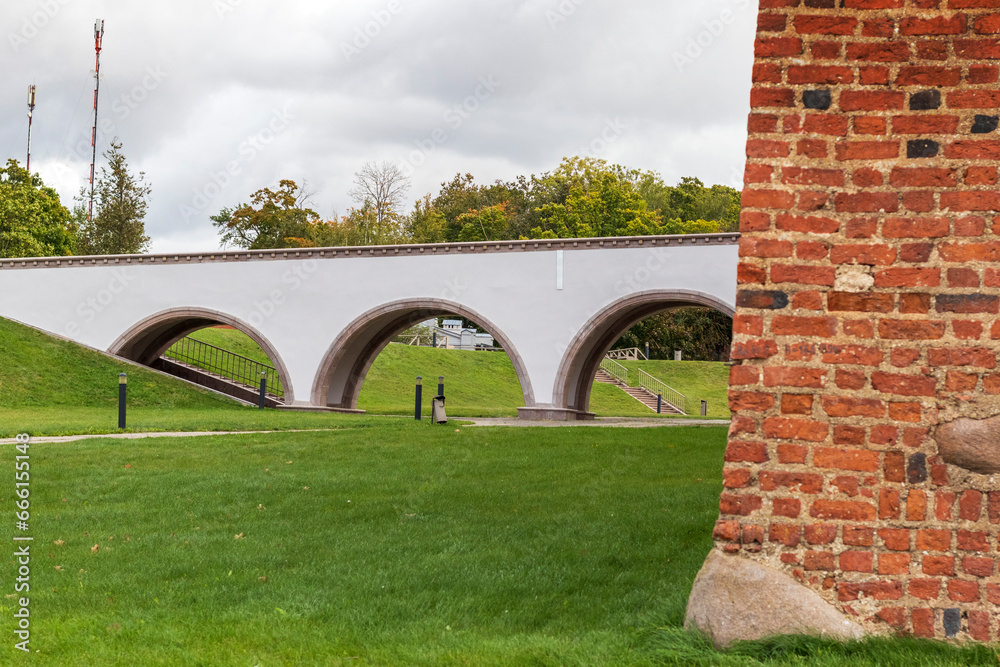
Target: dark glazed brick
column 761, row 300
column 817, row 99
column 916, row 471
column 985, row 124
column 918, row 148
column 952, row 622
column 925, row 99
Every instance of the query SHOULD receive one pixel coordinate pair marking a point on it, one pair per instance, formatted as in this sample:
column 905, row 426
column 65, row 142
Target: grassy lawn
column 399, row 544
column 382, row 544
column 697, row 380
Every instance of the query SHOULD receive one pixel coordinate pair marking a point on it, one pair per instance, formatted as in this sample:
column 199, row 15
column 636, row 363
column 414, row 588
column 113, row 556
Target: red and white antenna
column 98, row 39
column 31, row 112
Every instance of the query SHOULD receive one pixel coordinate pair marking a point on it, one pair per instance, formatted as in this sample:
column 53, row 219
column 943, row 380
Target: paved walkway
column 613, row 422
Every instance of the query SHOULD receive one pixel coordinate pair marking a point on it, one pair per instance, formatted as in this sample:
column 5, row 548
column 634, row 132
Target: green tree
column 120, row 202
column 701, row 334
column 33, row 222
column 273, row 219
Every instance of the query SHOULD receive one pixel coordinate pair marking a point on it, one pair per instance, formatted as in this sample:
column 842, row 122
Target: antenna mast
column 98, row 39
column 31, row 112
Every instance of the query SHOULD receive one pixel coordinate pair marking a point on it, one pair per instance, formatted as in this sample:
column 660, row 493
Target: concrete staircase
column 639, row 394
column 212, row 381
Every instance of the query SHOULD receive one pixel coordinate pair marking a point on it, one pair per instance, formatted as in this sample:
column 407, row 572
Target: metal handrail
column 241, row 370
column 615, row 369
column 627, row 354
column 658, row 387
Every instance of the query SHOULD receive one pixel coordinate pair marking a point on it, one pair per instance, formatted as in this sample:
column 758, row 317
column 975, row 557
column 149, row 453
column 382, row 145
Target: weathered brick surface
column 870, row 290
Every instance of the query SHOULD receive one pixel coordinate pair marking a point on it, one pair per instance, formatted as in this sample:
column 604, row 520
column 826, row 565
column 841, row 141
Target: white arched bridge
column 323, row 314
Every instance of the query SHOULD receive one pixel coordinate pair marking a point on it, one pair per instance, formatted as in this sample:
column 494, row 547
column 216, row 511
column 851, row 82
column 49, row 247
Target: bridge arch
column 344, row 367
column 146, row 341
column 582, row 358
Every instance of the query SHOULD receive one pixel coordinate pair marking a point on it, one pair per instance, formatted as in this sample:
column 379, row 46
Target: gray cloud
column 194, row 88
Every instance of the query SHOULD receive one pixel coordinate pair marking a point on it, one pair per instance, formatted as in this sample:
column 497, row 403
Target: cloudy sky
column 214, row 99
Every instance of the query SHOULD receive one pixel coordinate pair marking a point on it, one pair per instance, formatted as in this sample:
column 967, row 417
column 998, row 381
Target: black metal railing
column 241, row 370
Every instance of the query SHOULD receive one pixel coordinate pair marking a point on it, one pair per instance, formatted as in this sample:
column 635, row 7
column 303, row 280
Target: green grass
column 52, row 387
column 398, row 544
column 412, row 544
column 697, row 380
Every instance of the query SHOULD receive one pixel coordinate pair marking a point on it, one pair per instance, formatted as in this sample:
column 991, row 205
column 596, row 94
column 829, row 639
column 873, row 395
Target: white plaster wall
column 301, row 305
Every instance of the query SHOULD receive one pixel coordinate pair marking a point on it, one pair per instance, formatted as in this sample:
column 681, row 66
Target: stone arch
column 344, row 367
column 582, row 358
column 146, row 341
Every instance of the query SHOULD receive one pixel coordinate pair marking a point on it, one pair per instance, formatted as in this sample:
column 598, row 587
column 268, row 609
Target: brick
column 787, row 507
column 727, row 531
column 923, row 622
column 842, row 406
column 944, row 501
column 977, row 566
column 893, row 564
column 916, row 505
column 895, row 539
column 970, row 505
column 877, row 590
column 913, row 329
column 856, row 355
column 904, row 385
column 929, row 539
column 794, row 376
column 866, row 150
column 842, row 510
column 925, row 589
column 820, row 327
column 746, row 452
column 858, row 536
column 898, row 277
column 940, row 566
column 787, row 428
column 740, row 401
column 979, row 625
column 740, row 505
column 788, row 453
column 963, row 591
column 819, row 560
column 772, row 480
column 736, row 478
column 856, row 561
column 820, row 533
column 788, row 534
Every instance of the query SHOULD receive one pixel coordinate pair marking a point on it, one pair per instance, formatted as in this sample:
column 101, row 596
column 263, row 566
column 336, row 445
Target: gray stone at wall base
column 736, row 599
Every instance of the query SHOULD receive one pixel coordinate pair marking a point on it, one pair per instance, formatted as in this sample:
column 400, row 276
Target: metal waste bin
column 437, row 410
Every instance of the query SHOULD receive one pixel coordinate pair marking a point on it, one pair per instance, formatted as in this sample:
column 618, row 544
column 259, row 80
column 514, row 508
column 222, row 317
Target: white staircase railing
column 627, row 354
column 615, row 370
column 659, row 388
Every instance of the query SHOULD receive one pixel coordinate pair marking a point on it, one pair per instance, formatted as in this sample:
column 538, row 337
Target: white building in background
column 454, row 335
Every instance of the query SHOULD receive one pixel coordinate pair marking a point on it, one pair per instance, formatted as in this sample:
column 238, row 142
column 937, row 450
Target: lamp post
column 122, row 391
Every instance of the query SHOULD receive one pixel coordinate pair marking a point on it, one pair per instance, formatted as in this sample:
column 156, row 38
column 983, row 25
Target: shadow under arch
column 580, row 362
column 344, row 367
column 146, row 341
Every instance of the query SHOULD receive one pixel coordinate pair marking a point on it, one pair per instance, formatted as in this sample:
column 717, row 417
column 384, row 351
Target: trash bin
column 437, row 410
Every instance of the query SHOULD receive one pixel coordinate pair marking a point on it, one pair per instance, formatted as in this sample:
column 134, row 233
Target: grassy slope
column 485, row 385
column 49, row 386
column 697, row 380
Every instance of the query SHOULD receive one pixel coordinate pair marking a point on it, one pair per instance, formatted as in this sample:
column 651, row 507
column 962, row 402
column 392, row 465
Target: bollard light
column 440, row 385
column 420, row 389
column 122, row 387
column 262, row 403
column 659, row 404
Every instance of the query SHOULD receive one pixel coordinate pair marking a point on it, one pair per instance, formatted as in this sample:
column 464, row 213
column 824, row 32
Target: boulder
column 736, row 599
column 973, row 444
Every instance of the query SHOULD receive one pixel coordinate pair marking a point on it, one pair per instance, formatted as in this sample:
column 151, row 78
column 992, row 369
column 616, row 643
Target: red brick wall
column 868, row 302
